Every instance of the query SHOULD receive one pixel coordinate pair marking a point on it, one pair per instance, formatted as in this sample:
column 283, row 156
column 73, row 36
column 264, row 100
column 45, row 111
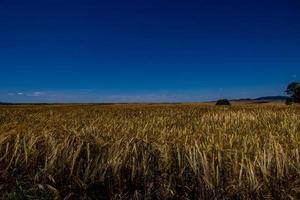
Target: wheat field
column 180, row 151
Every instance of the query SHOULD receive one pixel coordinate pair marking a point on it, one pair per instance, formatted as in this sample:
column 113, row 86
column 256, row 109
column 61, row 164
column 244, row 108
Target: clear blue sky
column 156, row 50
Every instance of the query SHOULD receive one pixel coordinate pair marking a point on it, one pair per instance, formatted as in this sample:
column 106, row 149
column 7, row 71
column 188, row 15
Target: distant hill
column 259, row 99
column 266, row 98
column 272, row 98
column 4, row 103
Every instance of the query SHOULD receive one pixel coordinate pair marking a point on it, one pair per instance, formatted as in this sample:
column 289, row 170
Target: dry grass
column 150, row 152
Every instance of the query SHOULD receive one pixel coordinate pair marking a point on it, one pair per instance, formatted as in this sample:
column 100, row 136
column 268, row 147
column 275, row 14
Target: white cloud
column 28, row 94
column 36, row 94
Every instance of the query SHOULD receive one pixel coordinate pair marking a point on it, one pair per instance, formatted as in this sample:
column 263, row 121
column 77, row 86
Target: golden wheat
column 188, row 151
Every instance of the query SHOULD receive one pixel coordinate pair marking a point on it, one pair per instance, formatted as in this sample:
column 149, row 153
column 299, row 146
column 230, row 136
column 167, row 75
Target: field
column 183, row 151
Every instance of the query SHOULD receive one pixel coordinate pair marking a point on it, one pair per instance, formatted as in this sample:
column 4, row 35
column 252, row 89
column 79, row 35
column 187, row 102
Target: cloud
column 36, row 94
column 27, row 94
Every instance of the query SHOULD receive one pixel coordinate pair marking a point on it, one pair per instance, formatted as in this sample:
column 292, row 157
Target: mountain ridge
column 264, row 98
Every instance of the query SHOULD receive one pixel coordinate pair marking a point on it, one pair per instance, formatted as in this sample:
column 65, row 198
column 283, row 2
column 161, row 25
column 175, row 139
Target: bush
column 223, row 102
column 288, row 101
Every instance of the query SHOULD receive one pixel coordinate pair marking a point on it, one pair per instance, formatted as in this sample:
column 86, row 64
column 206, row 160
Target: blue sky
column 135, row 51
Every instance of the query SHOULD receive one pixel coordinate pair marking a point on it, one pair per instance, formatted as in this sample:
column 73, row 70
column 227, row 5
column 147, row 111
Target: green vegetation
column 195, row 151
column 223, row 102
column 293, row 90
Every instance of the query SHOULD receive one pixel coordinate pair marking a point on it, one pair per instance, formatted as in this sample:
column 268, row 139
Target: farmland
column 139, row 151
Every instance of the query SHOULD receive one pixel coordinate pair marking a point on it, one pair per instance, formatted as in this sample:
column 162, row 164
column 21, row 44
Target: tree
column 293, row 90
column 223, row 102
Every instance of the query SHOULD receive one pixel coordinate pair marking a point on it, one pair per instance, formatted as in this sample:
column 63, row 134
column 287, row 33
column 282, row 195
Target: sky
column 147, row 51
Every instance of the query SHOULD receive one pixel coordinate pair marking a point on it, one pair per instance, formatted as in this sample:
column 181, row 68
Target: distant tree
column 223, row 102
column 293, row 90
